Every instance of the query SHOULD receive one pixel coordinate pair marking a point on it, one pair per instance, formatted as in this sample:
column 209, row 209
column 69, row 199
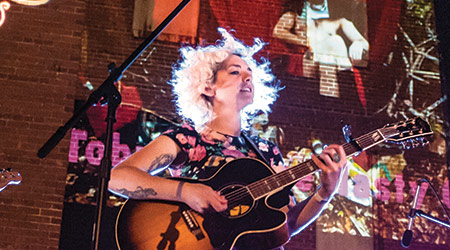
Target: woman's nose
column 247, row 77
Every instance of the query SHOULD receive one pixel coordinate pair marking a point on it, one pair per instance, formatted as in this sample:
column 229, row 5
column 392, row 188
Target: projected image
column 416, row 92
column 417, row 58
column 334, row 34
column 149, row 14
column 351, row 211
column 366, row 181
column 376, row 191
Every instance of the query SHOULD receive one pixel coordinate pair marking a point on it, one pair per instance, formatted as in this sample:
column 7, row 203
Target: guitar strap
column 251, row 144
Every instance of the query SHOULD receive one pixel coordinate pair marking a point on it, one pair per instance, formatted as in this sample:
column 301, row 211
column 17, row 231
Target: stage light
column 5, row 5
column 31, row 2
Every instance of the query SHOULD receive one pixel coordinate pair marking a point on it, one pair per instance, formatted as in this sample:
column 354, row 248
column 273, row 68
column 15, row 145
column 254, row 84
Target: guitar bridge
column 192, row 224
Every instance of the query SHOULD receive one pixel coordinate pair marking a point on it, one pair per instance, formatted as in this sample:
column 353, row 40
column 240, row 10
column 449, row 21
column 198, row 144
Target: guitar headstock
column 8, row 177
column 409, row 133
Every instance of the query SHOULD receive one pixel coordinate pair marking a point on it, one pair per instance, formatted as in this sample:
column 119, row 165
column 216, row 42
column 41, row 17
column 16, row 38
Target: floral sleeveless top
column 204, row 153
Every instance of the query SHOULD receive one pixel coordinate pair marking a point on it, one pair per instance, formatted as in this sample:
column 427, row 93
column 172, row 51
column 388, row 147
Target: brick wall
column 39, row 58
column 43, row 51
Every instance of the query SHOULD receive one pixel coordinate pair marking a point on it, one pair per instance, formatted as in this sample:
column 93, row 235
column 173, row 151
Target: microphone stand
column 407, row 236
column 110, row 95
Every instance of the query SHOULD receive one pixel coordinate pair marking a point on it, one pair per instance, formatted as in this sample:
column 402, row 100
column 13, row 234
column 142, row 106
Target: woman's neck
column 226, row 125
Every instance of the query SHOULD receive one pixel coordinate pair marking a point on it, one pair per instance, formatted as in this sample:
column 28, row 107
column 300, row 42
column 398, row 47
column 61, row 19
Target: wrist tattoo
column 160, row 161
column 139, row 193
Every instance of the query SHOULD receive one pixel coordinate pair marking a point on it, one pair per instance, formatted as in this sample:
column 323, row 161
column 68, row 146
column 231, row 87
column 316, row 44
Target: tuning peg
column 417, row 143
column 420, row 140
column 410, row 144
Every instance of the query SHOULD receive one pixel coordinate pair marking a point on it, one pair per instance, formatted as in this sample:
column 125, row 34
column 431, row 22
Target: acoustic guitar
column 255, row 194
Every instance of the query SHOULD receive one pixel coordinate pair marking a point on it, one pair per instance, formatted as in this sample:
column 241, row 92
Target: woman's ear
column 209, row 91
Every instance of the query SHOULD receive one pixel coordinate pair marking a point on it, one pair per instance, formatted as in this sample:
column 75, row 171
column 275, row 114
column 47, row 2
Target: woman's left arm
column 331, row 163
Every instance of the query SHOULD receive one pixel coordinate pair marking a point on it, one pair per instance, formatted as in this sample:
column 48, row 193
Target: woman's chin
column 245, row 104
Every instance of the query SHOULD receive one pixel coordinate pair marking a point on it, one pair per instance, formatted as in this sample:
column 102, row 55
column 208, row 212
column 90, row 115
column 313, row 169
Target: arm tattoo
column 160, row 161
column 139, row 193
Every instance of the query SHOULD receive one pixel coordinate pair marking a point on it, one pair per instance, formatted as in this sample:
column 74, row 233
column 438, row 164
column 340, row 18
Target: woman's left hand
column 331, row 162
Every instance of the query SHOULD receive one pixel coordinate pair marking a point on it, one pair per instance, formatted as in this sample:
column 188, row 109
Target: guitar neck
column 289, row 176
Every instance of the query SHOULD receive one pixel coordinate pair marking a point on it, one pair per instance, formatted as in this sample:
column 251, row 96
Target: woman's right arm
column 132, row 178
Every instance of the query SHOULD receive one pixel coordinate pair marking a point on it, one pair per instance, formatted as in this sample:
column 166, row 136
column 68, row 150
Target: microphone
column 407, row 235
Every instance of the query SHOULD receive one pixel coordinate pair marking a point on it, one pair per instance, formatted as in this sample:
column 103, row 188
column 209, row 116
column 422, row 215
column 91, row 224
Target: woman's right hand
column 201, row 197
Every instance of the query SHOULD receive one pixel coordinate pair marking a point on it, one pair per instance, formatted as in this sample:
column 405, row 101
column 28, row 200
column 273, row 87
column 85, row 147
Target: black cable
column 437, row 196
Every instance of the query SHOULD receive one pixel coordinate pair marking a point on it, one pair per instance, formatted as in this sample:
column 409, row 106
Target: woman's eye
column 234, row 72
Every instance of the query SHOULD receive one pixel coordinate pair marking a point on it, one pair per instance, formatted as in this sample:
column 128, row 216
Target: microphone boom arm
column 422, row 214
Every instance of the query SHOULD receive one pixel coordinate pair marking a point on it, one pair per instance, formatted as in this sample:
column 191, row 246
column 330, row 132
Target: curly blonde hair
column 197, row 69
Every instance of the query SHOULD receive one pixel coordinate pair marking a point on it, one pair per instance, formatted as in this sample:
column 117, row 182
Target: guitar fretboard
column 289, row 176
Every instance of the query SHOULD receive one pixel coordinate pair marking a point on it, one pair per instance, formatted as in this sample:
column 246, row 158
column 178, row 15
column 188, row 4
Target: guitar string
column 365, row 140
column 262, row 185
column 268, row 180
column 283, row 176
column 242, row 192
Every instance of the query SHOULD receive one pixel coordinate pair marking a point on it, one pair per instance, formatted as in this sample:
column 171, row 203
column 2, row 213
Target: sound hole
column 240, row 202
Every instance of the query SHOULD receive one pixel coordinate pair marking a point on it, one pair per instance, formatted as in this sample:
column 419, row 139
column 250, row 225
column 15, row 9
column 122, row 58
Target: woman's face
column 233, row 83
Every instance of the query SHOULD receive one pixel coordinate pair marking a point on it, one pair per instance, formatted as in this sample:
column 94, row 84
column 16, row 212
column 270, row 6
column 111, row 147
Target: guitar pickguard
column 241, row 207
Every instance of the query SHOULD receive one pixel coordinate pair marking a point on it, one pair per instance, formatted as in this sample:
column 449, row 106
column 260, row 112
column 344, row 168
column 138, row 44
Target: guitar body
column 156, row 225
column 246, row 224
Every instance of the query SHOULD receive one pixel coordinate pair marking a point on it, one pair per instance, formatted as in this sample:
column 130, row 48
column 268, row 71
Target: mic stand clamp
column 420, row 213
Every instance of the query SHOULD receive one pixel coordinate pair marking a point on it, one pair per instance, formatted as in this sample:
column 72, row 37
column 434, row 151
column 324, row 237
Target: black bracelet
column 320, row 199
column 179, row 188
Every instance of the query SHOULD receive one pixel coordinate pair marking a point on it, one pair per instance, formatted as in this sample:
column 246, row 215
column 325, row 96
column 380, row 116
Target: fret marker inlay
column 375, row 136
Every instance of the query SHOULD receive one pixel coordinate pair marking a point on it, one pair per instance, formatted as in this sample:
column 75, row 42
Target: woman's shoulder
column 184, row 135
column 184, row 128
column 265, row 145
